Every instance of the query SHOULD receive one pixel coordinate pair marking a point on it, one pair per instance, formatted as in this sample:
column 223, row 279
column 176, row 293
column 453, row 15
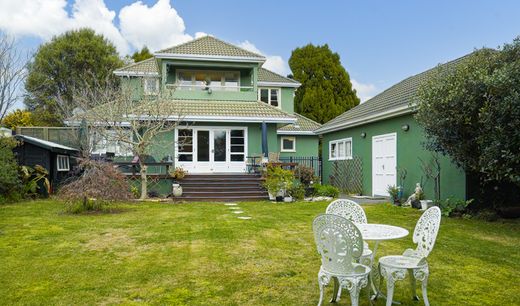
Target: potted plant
column 177, row 174
column 393, row 191
column 277, row 182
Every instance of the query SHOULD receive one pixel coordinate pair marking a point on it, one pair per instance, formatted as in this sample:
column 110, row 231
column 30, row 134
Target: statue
column 414, row 200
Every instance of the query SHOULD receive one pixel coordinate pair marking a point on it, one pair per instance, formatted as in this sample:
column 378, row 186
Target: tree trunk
column 144, row 180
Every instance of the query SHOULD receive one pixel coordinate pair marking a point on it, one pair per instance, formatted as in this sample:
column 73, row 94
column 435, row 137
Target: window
column 63, row 162
column 111, row 141
column 203, row 79
column 151, row 86
column 237, row 145
column 288, row 144
column 270, row 96
column 340, row 149
column 185, row 145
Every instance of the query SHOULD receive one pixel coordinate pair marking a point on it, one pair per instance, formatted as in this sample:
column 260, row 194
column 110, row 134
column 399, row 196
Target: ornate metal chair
column 394, row 268
column 340, row 244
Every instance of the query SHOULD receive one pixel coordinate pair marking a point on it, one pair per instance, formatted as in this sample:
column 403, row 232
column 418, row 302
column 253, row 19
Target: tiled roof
column 399, row 96
column 210, row 46
column 265, row 75
column 145, row 67
column 303, row 124
column 233, row 110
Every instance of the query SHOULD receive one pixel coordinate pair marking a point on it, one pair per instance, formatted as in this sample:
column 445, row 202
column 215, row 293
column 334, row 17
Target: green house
column 234, row 109
column 384, row 141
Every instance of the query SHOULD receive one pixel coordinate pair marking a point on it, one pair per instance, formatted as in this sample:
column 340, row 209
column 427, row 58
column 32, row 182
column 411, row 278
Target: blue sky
column 380, row 42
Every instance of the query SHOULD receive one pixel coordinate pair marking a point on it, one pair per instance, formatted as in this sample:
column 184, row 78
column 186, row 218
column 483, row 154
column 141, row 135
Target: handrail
column 202, row 86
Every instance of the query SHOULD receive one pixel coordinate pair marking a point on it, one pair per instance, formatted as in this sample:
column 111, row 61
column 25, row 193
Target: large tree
column 75, row 57
column 471, row 112
column 142, row 55
column 326, row 90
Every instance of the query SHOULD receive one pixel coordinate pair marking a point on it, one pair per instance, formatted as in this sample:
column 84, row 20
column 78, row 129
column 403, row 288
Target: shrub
column 10, row 184
column 450, row 206
column 35, row 181
column 178, row 173
column 98, row 187
column 278, row 179
column 305, row 175
column 326, row 190
column 297, row 191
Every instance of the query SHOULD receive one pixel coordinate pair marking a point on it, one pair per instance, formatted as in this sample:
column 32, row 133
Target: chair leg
column 321, row 293
column 390, row 284
column 412, row 284
column 336, row 291
column 339, row 294
column 354, row 295
column 425, row 290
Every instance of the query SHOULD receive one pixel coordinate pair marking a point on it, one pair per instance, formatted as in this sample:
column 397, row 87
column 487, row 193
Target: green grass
column 201, row 254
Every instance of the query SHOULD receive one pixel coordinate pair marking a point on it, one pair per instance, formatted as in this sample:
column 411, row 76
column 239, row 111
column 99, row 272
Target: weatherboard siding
column 409, row 150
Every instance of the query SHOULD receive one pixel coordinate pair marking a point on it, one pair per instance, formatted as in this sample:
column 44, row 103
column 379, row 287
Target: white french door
column 384, row 163
column 211, row 149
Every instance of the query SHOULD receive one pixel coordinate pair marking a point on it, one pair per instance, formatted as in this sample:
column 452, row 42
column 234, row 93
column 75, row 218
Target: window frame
column 194, row 86
column 347, row 153
column 269, row 89
column 293, row 139
column 145, row 87
column 65, row 161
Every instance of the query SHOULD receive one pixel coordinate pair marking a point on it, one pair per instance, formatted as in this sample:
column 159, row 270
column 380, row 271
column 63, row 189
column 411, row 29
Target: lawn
column 201, row 254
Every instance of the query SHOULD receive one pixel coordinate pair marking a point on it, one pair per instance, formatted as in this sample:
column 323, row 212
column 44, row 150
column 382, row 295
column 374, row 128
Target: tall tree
column 75, row 57
column 326, row 90
column 12, row 73
column 471, row 112
column 142, row 55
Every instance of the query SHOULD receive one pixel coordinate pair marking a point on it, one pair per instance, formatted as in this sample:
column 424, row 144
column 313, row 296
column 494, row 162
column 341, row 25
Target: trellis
column 347, row 175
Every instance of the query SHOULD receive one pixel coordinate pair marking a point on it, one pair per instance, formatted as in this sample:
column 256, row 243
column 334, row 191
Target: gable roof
column 210, row 48
column 303, row 126
column 394, row 101
column 49, row 145
column 147, row 67
column 269, row 78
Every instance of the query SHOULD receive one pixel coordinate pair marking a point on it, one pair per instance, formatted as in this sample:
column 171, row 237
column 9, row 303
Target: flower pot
column 424, row 204
column 288, row 199
column 272, row 197
column 176, row 190
column 279, row 199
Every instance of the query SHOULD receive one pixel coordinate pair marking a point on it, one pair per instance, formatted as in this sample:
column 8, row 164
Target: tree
column 19, row 117
column 113, row 115
column 142, row 55
column 75, row 57
column 471, row 112
column 326, row 90
column 12, row 73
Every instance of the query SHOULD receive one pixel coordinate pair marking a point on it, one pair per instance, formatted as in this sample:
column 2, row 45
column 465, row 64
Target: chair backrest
column 274, row 157
column 347, row 209
column 339, row 243
column 426, row 231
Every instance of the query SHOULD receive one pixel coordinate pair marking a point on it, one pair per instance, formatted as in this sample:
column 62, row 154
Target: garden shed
column 59, row 160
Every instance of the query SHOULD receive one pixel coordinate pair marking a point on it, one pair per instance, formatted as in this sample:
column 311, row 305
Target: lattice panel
column 347, row 175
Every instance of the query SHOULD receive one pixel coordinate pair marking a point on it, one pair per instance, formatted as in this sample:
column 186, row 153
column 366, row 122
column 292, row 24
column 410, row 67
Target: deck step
column 223, row 187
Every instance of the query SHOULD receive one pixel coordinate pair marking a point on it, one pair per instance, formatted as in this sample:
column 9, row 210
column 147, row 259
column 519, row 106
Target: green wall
column 288, row 100
column 306, row 146
column 409, row 150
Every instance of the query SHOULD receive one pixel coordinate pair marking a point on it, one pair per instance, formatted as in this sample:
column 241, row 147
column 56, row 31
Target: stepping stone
column 244, row 218
column 230, row 204
column 234, row 208
column 238, row 212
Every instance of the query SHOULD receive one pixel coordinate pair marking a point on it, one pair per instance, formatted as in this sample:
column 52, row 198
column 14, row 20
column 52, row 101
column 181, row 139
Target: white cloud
column 273, row 62
column 364, row 91
column 157, row 27
column 201, row 34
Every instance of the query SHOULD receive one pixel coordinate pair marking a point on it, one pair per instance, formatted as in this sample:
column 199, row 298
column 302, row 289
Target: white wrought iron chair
column 340, row 244
column 394, row 268
column 352, row 211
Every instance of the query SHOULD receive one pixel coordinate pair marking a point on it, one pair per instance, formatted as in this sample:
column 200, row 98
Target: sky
column 379, row 42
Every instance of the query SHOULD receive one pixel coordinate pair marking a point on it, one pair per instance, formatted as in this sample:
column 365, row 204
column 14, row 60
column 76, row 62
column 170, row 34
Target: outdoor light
column 405, row 127
column 363, row 135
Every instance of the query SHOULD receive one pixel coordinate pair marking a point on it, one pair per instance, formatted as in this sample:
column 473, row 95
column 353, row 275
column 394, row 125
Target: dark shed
column 59, row 160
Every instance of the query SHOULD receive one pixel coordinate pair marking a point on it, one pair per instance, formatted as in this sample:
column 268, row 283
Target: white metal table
column 378, row 233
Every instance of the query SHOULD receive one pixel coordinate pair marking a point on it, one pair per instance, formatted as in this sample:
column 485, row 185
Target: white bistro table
column 378, row 233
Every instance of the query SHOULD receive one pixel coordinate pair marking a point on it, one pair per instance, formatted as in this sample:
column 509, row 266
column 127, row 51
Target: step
column 222, row 198
column 237, row 189
column 230, row 192
column 223, row 183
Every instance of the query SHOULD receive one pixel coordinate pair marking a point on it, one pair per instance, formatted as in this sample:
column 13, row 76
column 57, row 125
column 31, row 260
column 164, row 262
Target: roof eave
column 304, row 133
column 279, row 84
column 134, row 73
column 211, row 58
column 399, row 111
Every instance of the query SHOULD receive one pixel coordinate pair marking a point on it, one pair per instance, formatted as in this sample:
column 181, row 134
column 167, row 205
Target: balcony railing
column 212, row 87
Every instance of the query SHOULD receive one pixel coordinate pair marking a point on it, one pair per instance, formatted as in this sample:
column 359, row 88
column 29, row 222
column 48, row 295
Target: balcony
column 213, row 92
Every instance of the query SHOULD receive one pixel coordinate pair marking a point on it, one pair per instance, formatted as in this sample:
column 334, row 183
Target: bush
column 10, row 184
column 326, row 191
column 305, row 175
column 278, row 179
column 451, row 206
column 99, row 186
column 297, row 191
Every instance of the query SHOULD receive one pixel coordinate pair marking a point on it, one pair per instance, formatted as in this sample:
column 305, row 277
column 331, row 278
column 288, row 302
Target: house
column 57, row 159
column 386, row 140
column 234, row 108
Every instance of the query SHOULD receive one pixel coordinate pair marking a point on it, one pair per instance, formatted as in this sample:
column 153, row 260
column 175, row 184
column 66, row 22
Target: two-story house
column 234, row 108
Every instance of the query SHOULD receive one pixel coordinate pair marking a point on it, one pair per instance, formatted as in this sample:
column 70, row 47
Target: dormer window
column 270, row 96
column 151, row 86
column 205, row 79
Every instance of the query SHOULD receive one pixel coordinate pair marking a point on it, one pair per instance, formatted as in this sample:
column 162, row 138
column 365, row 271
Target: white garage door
column 384, row 163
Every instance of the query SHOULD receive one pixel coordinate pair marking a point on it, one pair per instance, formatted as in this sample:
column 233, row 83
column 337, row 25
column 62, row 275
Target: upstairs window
column 288, row 144
column 340, row 149
column 270, row 96
column 204, row 79
column 151, row 86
